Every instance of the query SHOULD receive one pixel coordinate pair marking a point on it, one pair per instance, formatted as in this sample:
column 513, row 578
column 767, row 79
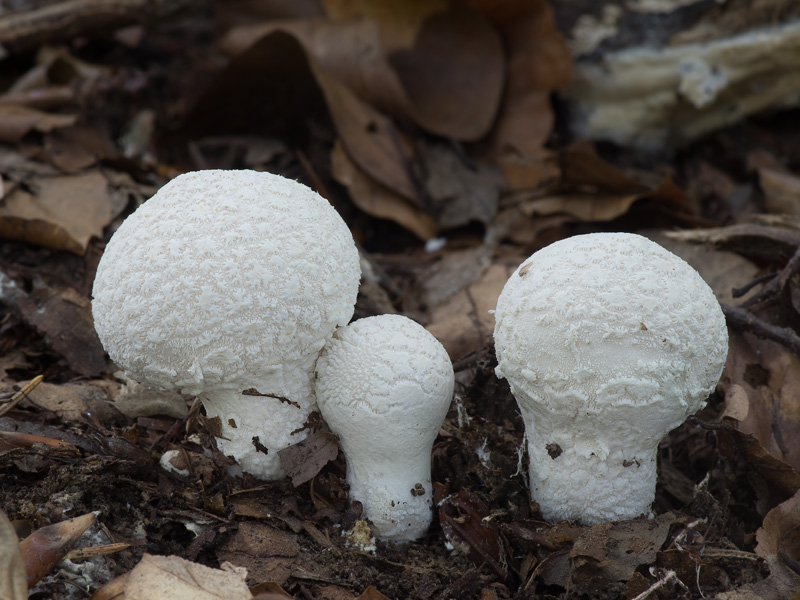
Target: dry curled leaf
column 781, row 191
column 538, row 63
column 64, row 317
column 780, row 531
column 460, row 193
column 378, row 200
column 761, row 236
column 297, row 87
column 303, row 460
column 46, row 546
column 462, row 517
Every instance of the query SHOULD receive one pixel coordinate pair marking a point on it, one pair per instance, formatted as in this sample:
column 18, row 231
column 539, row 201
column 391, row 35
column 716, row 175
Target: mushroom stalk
column 397, row 495
column 594, row 480
column 287, row 397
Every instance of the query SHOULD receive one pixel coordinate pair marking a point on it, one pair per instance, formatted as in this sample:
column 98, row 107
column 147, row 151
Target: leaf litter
column 449, row 174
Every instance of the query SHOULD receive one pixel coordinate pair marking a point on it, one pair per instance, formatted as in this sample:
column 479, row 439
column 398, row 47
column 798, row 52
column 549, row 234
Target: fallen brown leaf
column 609, row 553
column 459, row 193
column 463, row 323
column 409, row 58
column 46, row 546
column 780, row 531
column 16, row 121
column 112, row 590
column 267, row 553
column 455, row 271
column 538, row 63
column 378, row 200
column 295, row 87
column 303, row 460
column 269, row 591
column 782, row 583
column 762, row 382
column 72, row 400
column 462, row 517
column 781, row 191
column 65, row 319
column 591, row 189
column 371, row 594
column 63, row 213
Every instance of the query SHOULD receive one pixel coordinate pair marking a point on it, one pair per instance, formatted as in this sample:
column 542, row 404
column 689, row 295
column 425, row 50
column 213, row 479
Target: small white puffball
column 224, row 282
column 608, row 342
column 384, row 385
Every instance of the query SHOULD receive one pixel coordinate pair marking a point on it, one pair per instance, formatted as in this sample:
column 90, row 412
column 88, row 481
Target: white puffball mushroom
column 384, row 385
column 608, row 342
column 227, row 282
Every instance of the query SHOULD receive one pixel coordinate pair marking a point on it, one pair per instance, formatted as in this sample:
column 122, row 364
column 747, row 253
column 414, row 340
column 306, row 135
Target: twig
column 778, row 283
column 741, row 291
column 21, row 395
column 743, row 319
column 668, row 576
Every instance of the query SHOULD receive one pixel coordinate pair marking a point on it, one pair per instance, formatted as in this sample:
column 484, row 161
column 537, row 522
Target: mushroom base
column 398, row 503
column 271, row 411
column 591, row 484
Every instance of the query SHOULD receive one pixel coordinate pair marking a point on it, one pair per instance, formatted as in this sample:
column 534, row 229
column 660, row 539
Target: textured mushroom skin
column 384, row 385
column 608, row 341
column 225, row 281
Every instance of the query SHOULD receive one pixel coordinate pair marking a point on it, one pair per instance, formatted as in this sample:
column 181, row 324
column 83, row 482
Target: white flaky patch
column 608, row 342
column 384, row 385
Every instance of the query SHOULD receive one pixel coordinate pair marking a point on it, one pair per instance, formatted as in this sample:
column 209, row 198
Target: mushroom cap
column 221, row 277
column 384, row 384
column 599, row 324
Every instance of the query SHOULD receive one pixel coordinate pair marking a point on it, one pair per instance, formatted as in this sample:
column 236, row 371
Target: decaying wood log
column 657, row 74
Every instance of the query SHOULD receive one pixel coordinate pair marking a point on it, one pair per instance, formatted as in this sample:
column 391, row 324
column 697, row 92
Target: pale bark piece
column 657, row 75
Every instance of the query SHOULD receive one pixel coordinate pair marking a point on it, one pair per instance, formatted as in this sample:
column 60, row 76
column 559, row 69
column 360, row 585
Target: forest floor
column 92, row 127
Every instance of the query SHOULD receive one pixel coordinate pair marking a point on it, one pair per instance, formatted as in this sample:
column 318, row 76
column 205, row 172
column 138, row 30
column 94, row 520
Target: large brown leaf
column 410, row 58
column 62, row 213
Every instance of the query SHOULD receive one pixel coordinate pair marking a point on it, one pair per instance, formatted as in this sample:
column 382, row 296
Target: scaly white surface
column 384, row 385
column 225, row 281
column 608, row 342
